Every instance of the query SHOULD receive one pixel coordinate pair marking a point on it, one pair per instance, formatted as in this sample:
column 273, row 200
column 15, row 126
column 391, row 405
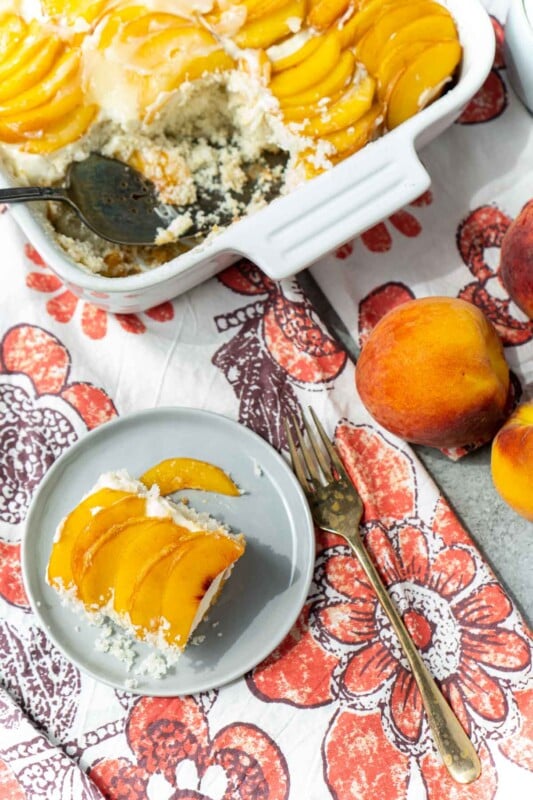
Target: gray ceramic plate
column 269, row 584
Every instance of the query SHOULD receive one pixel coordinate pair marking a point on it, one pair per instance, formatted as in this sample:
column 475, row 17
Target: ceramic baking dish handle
column 334, row 208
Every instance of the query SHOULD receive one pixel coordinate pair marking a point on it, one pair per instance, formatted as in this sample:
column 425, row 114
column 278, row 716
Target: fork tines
column 313, row 466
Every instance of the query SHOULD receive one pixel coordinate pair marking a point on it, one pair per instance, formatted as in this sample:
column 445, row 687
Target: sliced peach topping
column 174, row 474
column 63, row 131
column 370, row 46
column 117, row 513
column 311, row 70
column 351, row 139
column 422, row 80
column 190, row 577
column 112, row 563
column 36, row 95
column 266, row 31
column 139, row 550
column 144, row 603
column 350, row 107
column 324, row 13
column 297, row 52
column 335, row 82
column 60, row 564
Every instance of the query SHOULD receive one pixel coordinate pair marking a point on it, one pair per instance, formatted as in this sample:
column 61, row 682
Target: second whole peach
column 433, row 372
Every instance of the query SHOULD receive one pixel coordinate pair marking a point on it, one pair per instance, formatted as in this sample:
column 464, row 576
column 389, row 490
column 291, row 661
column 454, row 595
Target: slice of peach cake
column 152, row 566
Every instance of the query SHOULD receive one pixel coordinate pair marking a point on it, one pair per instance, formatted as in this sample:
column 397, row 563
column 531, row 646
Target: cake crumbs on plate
column 119, row 645
column 258, row 470
column 155, row 666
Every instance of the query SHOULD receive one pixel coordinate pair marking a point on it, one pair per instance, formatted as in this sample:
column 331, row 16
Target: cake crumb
column 258, row 470
column 116, row 644
column 154, row 666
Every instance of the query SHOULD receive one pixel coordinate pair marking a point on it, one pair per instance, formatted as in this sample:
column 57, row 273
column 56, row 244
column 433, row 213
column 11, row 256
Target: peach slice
column 150, row 23
column 117, row 513
column 266, row 31
column 218, row 61
column 431, row 28
column 369, row 48
column 144, row 606
column 353, row 138
column 422, row 81
column 350, row 107
column 98, row 564
column 141, row 549
column 29, row 74
column 16, row 128
column 174, row 44
column 324, row 12
column 113, row 562
column 170, row 77
column 60, row 564
column 364, row 19
column 114, row 22
column 333, row 83
column 174, row 474
column 294, row 52
column 12, row 30
column 71, row 10
column 189, row 579
column 391, row 67
column 59, row 76
column 23, row 53
column 311, row 70
column 262, row 8
column 66, row 130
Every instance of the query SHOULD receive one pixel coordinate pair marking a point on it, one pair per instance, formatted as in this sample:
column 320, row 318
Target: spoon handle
column 21, row 194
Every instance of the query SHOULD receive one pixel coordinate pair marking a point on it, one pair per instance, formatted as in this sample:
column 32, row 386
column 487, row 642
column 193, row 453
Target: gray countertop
column 504, row 538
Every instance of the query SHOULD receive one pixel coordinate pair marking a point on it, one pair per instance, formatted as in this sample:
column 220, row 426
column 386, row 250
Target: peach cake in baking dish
column 192, row 92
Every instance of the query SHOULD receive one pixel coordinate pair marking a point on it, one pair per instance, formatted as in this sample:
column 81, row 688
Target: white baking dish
column 296, row 230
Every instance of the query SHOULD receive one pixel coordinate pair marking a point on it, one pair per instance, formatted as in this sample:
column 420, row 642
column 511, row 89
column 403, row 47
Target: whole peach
column 433, row 372
column 516, row 260
column 512, row 460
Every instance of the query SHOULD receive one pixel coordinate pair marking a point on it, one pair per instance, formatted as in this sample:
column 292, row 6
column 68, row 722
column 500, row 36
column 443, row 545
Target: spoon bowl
column 120, row 205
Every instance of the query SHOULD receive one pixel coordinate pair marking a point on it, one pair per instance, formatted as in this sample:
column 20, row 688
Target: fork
column 337, row 507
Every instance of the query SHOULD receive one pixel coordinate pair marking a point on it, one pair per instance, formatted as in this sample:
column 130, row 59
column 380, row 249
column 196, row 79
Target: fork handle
column 456, row 749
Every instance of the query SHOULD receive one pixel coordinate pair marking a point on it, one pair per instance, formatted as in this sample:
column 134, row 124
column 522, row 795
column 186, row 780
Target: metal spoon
column 121, row 205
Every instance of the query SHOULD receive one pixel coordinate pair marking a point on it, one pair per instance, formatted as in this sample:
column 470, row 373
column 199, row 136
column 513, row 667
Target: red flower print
column 43, row 415
column 491, row 100
column 479, row 234
column 460, row 619
column 519, row 748
column 377, row 303
column 9, row 785
column 344, row 251
column 62, row 306
column 280, row 342
column 174, row 755
column 378, row 239
column 297, row 342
